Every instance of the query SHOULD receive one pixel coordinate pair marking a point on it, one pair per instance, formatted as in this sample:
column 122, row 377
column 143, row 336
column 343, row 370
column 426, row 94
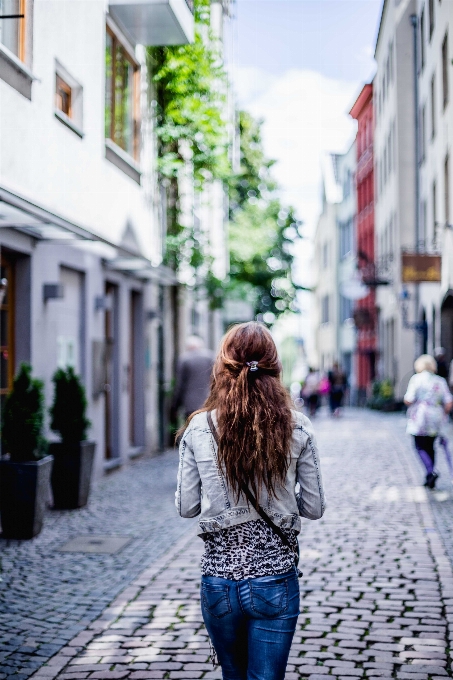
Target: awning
column 24, row 216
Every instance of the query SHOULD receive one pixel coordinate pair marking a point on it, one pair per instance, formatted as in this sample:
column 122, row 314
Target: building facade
column 346, row 227
column 326, row 249
column 81, row 235
column 395, row 203
column 435, row 312
column 365, row 309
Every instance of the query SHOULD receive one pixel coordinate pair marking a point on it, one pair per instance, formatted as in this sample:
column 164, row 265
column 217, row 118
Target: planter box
column 71, row 474
column 23, row 495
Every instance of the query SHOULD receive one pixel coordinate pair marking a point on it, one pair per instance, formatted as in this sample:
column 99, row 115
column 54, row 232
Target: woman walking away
column 241, row 458
column 429, row 400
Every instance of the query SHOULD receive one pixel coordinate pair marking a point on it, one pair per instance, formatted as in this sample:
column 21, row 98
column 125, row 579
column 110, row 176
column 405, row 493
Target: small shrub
column 382, row 395
column 69, row 407
column 23, row 418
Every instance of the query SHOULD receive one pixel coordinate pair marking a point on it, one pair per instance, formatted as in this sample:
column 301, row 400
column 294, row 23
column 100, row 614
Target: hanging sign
column 419, row 267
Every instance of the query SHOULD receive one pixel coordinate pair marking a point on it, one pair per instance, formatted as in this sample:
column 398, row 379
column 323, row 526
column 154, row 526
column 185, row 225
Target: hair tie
column 253, row 365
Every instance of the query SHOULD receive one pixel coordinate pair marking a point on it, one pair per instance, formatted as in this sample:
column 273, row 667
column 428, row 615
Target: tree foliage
column 189, row 102
column 261, row 231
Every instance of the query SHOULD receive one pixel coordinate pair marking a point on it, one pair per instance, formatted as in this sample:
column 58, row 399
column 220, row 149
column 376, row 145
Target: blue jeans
column 251, row 623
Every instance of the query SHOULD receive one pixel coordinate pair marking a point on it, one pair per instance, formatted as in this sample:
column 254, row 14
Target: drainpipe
column 414, row 22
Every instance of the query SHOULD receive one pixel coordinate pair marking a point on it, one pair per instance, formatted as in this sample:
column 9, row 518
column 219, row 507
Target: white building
column 394, row 150
column 435, row 24
column 326, row 262
column 80, row 234
column 347, row 264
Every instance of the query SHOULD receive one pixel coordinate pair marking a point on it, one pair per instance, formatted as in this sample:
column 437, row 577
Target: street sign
column 419, row 267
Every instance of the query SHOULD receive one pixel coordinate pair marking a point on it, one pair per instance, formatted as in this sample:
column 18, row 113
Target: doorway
column 7, row 323
column 446, row 326
column 136, row 384
column 111, row 386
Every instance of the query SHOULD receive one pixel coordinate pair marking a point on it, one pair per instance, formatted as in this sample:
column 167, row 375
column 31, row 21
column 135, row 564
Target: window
column 12, row 31
column 431, row 18
column 325, row 255
column 422, row 134
column 63, row 97
column 121, row 101
column 68, row 99
column 325, row 309
column 447, row 188
column 391, row 61
column 346, row 309
column 422, row 39
column 434, row 205
column 346, row 237
column 433, row 106
column 445, row 83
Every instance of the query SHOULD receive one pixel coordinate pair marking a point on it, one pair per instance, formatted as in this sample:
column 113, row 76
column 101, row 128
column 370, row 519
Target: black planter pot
column 71, row 474
column 23, row 495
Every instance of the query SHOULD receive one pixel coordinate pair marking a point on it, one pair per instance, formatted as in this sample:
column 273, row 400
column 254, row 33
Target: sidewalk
column 48, row 596
column 377, row 591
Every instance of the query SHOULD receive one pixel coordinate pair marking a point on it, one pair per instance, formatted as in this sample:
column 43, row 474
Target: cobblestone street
column 376, row 595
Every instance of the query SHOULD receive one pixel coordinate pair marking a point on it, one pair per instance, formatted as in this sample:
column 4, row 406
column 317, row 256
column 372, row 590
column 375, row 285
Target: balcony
column 155, row 22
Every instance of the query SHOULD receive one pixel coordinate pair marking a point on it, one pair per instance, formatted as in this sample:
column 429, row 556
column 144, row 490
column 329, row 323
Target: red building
column 365, row 309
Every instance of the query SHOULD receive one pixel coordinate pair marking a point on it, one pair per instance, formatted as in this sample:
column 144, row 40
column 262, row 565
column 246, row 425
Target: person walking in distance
column 338, row 384
column 310, row 391
column 249, row 468
column 193, row 377
column 429, row 400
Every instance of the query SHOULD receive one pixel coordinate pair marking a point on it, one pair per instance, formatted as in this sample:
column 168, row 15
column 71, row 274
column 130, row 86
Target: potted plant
column 25, row 471
column 73, row 455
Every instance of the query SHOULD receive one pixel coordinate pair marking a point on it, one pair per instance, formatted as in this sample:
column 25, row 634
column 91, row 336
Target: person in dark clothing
column 338, row 384
column 442, row 366
column 193, row 377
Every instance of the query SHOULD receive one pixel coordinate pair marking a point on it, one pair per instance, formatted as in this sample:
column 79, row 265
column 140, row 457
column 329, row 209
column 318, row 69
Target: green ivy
column 189, row 84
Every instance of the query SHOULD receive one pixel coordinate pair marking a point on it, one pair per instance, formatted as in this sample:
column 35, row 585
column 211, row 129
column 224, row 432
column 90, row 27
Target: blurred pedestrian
column 193, row 377
column 442, row 365
column 429, row 400
column 310, row 391
column 247, row 450
column 338, row 384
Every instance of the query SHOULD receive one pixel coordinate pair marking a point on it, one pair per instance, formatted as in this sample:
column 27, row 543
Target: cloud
column 305, row 116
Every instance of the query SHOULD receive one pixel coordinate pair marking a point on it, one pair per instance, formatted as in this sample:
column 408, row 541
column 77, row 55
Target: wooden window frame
column 135, row 95
column 60, row 83
column 8, row 264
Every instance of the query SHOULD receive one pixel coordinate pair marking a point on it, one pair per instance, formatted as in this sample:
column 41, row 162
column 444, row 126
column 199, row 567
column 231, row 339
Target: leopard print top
column 247, row 550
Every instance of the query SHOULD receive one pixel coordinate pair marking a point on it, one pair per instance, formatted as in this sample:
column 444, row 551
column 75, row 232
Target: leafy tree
column 261, row 231
column 23, row 418
column 69, row 407
column 188, row 83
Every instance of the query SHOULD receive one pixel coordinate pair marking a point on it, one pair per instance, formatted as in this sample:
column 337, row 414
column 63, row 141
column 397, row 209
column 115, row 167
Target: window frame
column 431, row 18
column 65, row 87
column 445, row 72
column 433, row 106
column 128, row 54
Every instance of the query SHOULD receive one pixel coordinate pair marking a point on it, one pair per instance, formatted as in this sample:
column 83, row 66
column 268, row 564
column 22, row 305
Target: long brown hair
column 253, row 409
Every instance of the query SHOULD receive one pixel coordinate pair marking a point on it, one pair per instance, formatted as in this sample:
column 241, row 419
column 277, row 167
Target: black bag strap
column 262, row 513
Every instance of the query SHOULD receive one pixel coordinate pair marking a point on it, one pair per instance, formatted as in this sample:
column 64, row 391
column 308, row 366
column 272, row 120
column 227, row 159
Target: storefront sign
column 418, row 267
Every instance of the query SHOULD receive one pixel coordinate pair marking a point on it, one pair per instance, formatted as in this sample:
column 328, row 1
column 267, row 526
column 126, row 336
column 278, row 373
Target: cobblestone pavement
column 47, row 596
column 376, row 595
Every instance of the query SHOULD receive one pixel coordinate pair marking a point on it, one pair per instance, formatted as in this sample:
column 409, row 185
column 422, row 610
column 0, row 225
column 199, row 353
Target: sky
column 299, row 65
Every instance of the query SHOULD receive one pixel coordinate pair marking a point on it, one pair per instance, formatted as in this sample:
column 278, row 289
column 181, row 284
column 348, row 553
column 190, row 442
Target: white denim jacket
column 203, row 490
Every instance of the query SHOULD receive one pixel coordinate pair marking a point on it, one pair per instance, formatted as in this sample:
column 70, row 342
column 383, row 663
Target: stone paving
column 47, row 597
column 376, row 595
